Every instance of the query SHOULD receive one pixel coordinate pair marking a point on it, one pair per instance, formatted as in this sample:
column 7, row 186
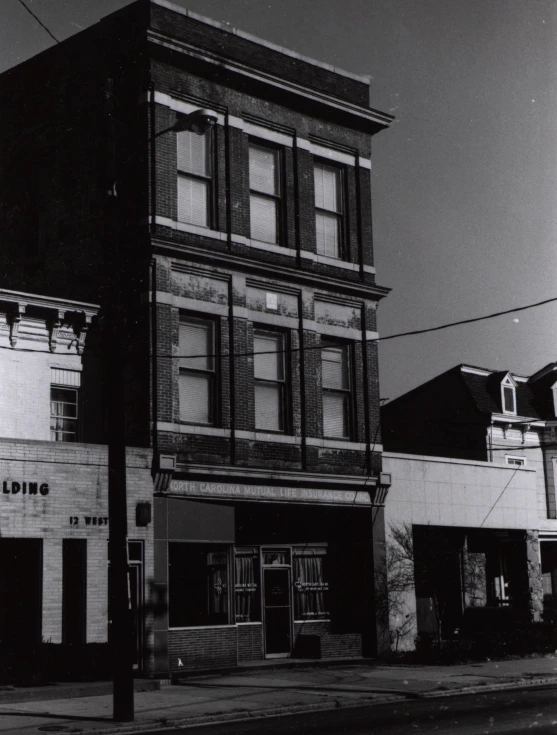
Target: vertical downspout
column 366, row 394
column 301, row 361
column 152, row 111
column 154, row 367
column 231, row 343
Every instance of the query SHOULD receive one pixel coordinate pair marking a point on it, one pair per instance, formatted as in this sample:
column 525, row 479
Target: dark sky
column 464, row 181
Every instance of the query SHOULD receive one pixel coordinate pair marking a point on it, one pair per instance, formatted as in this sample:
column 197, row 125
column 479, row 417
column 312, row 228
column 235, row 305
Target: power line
column 333, row 343
column 39, row 21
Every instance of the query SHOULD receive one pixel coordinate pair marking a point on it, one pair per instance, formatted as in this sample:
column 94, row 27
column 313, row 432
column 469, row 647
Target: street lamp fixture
column 198, row 121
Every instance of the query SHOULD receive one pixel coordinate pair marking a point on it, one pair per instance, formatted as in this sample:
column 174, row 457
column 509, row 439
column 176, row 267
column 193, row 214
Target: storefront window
column 310, row 587
column 246, row 586
column 198, row 584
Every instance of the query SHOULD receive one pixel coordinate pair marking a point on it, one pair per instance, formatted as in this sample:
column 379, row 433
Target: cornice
column 232, row 261
column 230, row 473
column 363, row 114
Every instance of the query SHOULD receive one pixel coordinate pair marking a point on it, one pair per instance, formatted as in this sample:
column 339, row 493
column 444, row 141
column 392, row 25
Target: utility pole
column 120, row 631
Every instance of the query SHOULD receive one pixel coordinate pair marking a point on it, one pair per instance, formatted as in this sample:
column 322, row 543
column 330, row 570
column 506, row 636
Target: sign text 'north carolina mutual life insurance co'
column 267, row 492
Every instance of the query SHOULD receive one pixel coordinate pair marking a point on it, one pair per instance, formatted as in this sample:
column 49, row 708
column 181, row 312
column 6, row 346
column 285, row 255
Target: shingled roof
column 485, row 390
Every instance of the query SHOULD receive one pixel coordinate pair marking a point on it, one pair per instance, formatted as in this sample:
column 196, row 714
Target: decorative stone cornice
column 45, row 320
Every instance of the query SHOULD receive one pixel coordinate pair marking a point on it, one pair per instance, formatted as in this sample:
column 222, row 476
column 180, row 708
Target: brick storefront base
column 314, row 640
column 250, row 642
column 202, row 648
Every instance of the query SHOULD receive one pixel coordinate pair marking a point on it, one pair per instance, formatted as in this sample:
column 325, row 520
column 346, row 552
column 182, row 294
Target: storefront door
column 278, row 611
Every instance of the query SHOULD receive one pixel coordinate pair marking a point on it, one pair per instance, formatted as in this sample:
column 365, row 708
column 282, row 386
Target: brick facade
column 166, row 62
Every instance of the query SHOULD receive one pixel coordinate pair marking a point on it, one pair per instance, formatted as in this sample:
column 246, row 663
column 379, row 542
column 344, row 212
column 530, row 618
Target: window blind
column 58, row 376
column 193, row 201
column 193, row 153
column 195, row 397
column 196, row 338
column 335, row 374
column 335, row 415
column 327, row 188
column 268, row 366
column 263, row 218
column 263, row 170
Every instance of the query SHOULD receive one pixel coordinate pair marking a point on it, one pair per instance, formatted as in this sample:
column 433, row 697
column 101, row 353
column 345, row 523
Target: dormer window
column 508, row 395
column 554, row 392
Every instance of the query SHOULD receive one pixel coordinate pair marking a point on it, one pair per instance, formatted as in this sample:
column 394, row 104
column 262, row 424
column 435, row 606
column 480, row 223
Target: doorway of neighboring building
column 135, row 572
column 20, row 590
column 277, row 600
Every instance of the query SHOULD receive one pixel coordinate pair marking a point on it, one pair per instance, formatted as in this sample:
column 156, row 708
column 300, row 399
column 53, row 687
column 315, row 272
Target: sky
column 464, row 182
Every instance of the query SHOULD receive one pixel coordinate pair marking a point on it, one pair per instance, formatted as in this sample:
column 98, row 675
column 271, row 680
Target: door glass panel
column 275, row 558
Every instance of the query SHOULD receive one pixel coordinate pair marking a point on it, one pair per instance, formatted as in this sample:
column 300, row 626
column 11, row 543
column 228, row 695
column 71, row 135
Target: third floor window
column 328, row 210
column 194, row 178
column 264, row 184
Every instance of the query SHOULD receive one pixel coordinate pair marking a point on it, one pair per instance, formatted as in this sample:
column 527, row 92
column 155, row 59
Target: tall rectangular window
column 270, row 384
column 194, row 178
column 310, row 588
column 198, row 584
column 264, row 184
column 74, row 590
column 328, row 210
column 246, row 586
column 337, row 392
column 64, row 405
column 197, row 370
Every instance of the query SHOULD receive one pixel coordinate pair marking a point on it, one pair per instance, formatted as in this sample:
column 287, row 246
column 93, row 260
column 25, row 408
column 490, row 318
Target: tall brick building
column 242, row 255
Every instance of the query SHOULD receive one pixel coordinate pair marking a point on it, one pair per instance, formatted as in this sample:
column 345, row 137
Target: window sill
column 201, row 429
column 262, row 436
column 190, row 228
column 203, row 627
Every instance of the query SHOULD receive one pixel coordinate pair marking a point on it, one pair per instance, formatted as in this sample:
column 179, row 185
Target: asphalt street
column 518, row 711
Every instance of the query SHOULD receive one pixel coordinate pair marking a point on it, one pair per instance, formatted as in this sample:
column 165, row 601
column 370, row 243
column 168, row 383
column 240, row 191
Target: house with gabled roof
column 473, row 456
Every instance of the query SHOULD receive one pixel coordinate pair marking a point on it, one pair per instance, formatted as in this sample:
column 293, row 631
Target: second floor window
column 328, row 210
column 337, row 392
column 64, row 405
column 264, row 184
column 194, row 178
column 197, row 371
column 269, row 374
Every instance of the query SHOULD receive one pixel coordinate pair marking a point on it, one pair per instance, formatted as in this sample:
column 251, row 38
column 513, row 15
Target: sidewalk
column 269, row 690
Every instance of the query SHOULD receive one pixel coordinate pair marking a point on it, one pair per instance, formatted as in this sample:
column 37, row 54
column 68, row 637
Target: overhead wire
column 39, row 21
column 332, row 342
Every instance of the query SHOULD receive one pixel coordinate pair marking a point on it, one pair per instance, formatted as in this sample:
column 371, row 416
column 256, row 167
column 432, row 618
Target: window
column 310, row 587
column 515, row 461
column 328, row 210
column 198, row 589
column 270, row 387
column 197, row 373
column 64, row 405
column 337, row 398
column 194, row 178
column 554, row 391
column 246, row 586
column 508, row 395
column 264, row 184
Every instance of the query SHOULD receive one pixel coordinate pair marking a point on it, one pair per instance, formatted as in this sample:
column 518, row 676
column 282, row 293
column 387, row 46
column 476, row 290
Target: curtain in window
column 246, row 589
column 310, row 588
column 217, row 582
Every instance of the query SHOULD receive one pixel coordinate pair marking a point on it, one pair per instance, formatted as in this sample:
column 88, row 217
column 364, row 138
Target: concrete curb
column 375, row 699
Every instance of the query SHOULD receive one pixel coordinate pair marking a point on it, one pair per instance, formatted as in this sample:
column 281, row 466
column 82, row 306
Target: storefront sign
column 266, row 492
column 25, row 488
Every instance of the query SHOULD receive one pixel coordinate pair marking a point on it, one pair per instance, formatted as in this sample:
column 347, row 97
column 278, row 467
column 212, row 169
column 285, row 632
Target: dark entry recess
column 74, row 591
column 21, row 566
